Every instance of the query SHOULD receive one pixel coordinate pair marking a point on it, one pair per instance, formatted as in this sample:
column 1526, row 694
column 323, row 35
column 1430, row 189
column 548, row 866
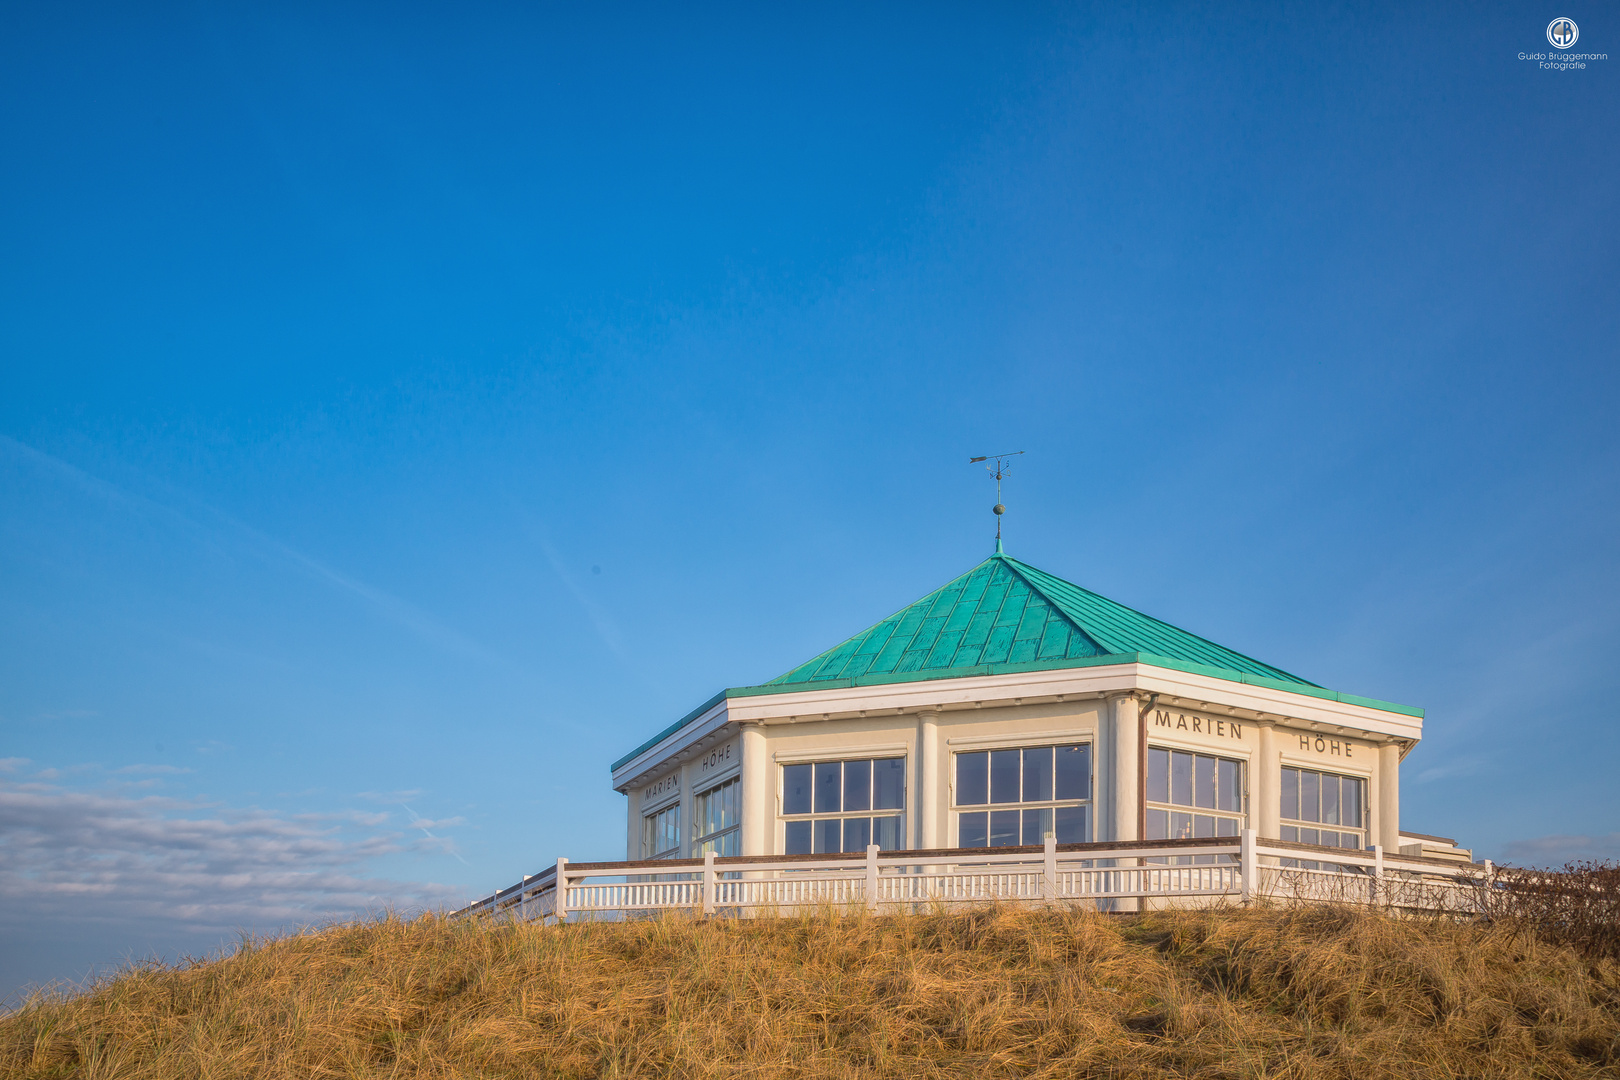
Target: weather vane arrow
column 999, row 470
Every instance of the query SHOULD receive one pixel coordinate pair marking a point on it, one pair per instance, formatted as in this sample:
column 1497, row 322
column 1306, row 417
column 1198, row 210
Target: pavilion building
column 1006, row 705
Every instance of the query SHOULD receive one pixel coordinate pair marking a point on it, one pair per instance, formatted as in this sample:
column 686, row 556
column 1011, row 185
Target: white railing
column 1124, row 876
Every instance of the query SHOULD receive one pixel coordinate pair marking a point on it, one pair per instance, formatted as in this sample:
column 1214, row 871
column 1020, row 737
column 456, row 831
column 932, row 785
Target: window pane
column 973, row 779
column 889, row 784
column 827, row 784
column 1038, row 774
column 973, row 830
column 1180, row 825
column 1003, row 776
column 1290, row 794
column 1351, row 811
column 1310, row 800
column 1330, row 800
column 1037, row 823
column 1181, row 778
column 1203, row 825
column 1158, row 823
column 796, row 789
column 1003, row 828
column 1073, row 772
column 889, row 833
column 828, row 836
column 1226, row 826
column 1291, row 833
column 1204, row 781
column 798, row 838
column 1158, row 776
column 1229, row 787
column 858, row 785
column 1310, row 836
column 1071, row 825
column 857, row 833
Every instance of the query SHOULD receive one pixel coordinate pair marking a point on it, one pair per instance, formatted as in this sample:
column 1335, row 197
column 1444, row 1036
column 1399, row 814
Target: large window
column 661, row 833
column 1191, row 795
column 1027, row 794
column 716, row 818
column 845, row 805
column 1324, row 808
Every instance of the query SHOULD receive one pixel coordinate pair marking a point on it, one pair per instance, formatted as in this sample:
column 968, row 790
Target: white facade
column 996, row 759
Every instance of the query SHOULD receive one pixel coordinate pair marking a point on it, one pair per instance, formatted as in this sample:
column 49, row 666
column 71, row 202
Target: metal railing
column 1122, row 876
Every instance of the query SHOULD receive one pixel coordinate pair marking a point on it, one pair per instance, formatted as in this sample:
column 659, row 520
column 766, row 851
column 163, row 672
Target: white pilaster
column 758, row 793
column 1124, row 744
column 933, row 794
column 1388, row 825
column 632, row 839
column 1265, row 792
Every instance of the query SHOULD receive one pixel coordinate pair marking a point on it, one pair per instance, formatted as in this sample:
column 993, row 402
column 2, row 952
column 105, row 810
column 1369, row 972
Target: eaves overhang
column 996, row 683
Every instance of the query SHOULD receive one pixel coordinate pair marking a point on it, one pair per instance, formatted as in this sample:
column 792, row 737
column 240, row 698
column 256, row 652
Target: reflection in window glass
column 796, row 789
column 1073, row 772
column 829, row 781
column 1004, row 776
column 1046, row 776
column 889, row 784
column 857, row 785
column 1037, row 775
column 973, row 779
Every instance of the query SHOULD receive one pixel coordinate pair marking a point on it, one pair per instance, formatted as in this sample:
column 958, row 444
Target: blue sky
column 406, row 410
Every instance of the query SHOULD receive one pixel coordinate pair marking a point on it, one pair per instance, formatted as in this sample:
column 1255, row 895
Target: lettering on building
column 1330, row 747
column 1217, row 726
column 718, row 758
column 670, row 783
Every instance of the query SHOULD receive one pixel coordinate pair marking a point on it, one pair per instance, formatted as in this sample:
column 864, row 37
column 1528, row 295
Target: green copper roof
column 1004, row 612
column 1003, row 618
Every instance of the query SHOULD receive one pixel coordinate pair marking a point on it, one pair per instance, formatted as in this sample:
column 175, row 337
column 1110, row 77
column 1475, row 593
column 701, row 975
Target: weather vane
column 1001, row 469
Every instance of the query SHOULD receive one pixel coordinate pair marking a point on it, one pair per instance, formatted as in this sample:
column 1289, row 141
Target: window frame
column 649, row 830
column 1022, row 746
column 1169, row 807
column 787, row 821
column 726, row 840
column 1287, row 824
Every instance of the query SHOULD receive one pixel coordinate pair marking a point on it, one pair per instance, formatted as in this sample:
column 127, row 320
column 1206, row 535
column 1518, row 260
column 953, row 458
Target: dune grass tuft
column 1264, row 992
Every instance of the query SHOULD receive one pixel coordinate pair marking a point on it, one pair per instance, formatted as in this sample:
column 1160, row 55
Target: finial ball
column 999, row 509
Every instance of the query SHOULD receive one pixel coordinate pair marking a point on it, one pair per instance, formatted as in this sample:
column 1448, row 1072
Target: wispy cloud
column 606, row 628
column 194, row 866
column 1557, row 849
column 221, row 529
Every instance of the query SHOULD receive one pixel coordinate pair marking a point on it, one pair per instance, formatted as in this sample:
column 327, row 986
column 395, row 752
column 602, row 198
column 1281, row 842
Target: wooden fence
column 1125, row 876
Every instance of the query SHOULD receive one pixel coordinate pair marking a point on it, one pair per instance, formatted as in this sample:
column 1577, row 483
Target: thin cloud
column 1557, row 849
column 191, row 866
column 601, row 621
column 392, row 798
column 260, row 543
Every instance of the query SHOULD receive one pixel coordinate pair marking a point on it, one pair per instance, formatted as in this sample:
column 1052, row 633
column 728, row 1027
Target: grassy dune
column 1239, row 993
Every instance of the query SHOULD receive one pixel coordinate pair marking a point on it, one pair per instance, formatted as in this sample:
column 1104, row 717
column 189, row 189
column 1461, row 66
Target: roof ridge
column 1020, row 568
column 1068, row 616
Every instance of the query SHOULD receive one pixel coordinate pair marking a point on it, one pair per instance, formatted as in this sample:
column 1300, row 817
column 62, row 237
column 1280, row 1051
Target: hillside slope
column 999, row 993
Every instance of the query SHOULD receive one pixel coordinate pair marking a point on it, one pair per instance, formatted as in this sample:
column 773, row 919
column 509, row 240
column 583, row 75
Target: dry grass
column 1283, row 992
